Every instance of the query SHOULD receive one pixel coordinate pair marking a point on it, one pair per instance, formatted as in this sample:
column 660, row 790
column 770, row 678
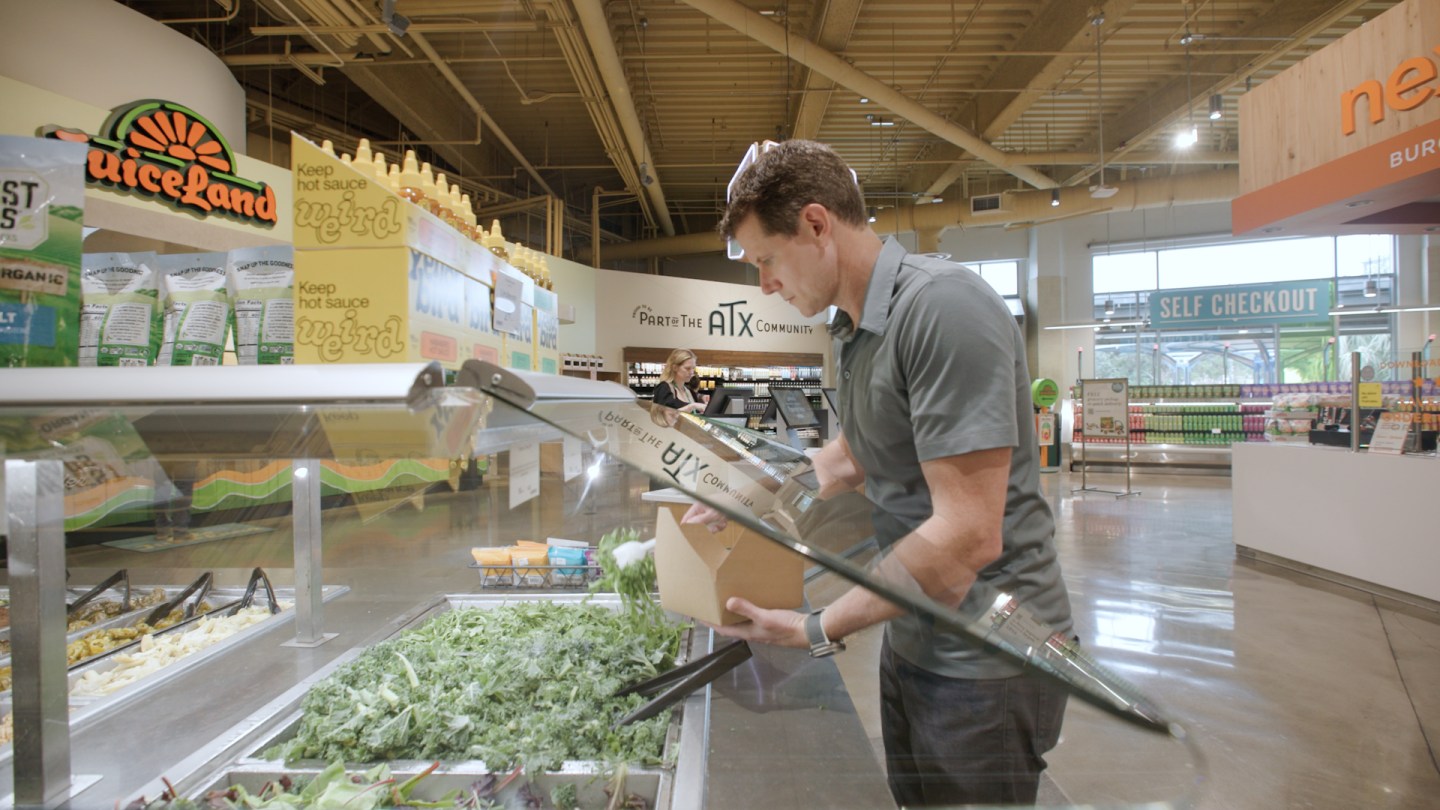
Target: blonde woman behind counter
column 673, row 390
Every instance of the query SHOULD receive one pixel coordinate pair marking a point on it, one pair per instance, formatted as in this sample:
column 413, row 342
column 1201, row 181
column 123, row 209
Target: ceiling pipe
column 424, row 45
column 612, row 73
column 828, row 64
column 1021, row 209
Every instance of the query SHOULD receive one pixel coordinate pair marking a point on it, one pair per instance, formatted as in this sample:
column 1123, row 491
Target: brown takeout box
column 698, row 570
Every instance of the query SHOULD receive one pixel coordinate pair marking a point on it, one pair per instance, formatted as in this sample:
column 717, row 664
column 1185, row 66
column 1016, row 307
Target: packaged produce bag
column 120, row 309
column 495, row 566
column 42, row 199
column 196, row 309
column 260, row 283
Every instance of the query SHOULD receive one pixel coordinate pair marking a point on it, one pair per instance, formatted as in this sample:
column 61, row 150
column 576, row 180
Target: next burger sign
column 731, row 319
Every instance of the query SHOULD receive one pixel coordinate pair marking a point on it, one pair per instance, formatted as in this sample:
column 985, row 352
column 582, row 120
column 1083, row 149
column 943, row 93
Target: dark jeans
column 950, row 741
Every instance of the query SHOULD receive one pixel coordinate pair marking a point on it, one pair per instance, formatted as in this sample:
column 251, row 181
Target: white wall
column 104, row 54
column 662, row 312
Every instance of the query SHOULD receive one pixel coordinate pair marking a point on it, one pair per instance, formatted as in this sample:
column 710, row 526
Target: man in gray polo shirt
column 938, row 426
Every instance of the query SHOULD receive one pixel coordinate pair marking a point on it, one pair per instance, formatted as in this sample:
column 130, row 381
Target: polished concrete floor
column 1297, row 692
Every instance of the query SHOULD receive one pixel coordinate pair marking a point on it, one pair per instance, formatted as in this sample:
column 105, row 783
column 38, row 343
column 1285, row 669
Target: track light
column 1054, row 198
column 1217, row 107
column 1371, row 288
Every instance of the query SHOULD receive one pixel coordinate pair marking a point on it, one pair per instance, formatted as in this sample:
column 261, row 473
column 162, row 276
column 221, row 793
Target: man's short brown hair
column 786, row 179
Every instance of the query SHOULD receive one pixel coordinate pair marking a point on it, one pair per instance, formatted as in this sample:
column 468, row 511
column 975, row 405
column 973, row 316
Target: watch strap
column 820, row 644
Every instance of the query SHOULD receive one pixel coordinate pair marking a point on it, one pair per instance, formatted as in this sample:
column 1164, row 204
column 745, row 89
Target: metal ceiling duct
column 1023, row 208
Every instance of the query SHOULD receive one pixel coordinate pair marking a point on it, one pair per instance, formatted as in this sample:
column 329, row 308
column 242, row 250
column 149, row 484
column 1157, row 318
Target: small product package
column 42, row 207
column 495, row 570
column 196, row 309
column 120, row 309
column 261, row 283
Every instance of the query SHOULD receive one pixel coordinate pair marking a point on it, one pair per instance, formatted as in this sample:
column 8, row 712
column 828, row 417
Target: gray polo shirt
column 936, row 368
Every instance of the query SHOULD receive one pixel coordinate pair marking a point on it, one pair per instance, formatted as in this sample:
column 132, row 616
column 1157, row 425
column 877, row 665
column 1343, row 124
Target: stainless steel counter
column 783, row 731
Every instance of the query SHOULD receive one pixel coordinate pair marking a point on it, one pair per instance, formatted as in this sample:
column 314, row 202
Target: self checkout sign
column 164, row 150
column 22, row 224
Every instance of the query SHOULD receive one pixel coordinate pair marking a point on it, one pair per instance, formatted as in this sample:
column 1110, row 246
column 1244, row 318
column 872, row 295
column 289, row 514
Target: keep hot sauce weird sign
column 164, row 150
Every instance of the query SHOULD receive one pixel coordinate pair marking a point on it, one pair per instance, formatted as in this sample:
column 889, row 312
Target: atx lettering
column 731, row 327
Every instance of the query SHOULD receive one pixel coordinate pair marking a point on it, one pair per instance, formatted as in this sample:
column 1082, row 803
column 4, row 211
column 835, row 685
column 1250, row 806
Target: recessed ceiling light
column 938, row 200
column 864, row 100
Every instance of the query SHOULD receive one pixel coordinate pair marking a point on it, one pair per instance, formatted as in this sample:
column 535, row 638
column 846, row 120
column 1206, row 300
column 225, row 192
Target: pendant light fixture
column 1098, row 191
column 1217, row 107
column 1189, row 136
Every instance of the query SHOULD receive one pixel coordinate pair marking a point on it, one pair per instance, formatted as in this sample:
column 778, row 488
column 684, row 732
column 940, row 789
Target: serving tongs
column 257, row 577
column 200, row 588
column 123, row 575
column 683, row 680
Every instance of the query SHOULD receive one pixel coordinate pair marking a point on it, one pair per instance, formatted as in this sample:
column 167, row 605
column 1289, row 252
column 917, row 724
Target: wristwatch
column 820, row 644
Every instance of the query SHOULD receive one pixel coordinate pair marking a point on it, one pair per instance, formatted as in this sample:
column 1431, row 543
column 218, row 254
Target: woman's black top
column 665, row 395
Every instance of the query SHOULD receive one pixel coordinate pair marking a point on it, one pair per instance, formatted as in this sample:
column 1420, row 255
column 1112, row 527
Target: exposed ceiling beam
column 775, row 37
column 617, row 87
column 834, row 20
column 1061, row 27
column 1296, row 21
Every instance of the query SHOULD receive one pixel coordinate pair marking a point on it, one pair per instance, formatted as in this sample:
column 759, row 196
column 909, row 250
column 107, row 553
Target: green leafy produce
column 331, row 789
column 634, row 583
column 530, row 684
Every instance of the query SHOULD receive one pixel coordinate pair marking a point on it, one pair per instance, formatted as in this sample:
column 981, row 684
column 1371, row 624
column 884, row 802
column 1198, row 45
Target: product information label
column 27, row 325
column 524, row 473
column 23, row 221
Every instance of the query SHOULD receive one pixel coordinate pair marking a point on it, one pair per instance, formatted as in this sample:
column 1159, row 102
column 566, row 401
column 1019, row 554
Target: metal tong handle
column 257, row 576
column 202, row 585
column 685, row 679
column 123, row 575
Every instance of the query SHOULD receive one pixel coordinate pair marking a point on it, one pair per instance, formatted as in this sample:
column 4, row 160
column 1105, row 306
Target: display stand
column 1106, row 413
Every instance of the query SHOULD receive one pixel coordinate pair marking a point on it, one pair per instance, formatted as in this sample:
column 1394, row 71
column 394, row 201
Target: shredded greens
column 529, row 684
column 634, row 583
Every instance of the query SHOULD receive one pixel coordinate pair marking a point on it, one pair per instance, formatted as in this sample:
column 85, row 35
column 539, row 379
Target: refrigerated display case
column 781, row 730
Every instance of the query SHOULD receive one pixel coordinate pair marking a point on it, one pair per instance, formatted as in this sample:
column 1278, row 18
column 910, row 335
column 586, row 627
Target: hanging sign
column 164, row 150
column 1284, row 301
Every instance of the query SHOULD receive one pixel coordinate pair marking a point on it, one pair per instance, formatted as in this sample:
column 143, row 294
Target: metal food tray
column 237, row 758
column 86, row 709
column 118, row 620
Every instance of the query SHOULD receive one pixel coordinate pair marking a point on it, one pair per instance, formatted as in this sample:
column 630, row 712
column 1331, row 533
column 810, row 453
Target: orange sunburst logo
column 171, row 132
column 170, row 152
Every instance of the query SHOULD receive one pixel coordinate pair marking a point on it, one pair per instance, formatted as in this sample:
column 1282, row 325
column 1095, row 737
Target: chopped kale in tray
column 529, row 684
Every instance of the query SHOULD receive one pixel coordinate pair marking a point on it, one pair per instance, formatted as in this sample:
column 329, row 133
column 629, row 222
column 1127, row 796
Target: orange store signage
column 1405, row 89
column 164, row 150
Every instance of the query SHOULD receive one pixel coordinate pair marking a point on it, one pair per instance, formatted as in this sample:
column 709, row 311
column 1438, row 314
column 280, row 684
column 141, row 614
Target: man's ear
column 815, row 220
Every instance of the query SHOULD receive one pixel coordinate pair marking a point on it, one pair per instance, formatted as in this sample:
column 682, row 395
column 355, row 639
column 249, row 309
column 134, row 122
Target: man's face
column 798, row 267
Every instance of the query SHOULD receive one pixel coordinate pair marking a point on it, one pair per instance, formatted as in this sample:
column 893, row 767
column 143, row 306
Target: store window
column 1003, row 277
column 1362, row 269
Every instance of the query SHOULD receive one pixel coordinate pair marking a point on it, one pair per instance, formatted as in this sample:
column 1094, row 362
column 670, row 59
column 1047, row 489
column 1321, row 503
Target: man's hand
column 711, row 518
column 783, row 628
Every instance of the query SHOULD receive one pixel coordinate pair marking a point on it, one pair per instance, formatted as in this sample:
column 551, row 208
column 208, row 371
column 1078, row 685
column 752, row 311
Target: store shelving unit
column 1185, row 429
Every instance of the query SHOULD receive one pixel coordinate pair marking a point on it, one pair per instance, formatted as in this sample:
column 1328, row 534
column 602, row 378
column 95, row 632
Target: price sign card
column 1391, row 433
column 524, row 473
